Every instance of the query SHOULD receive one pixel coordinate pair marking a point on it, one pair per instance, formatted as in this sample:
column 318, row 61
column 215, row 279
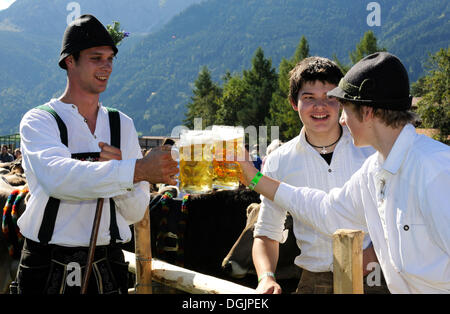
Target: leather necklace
column 324, row 148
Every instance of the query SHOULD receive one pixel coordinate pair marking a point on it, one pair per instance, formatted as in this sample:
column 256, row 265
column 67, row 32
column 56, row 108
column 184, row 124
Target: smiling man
column 400, row 194
column 60, row 142
column 322, row 156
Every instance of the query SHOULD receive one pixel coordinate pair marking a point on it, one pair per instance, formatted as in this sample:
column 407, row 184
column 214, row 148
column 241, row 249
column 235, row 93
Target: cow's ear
column 251, row 207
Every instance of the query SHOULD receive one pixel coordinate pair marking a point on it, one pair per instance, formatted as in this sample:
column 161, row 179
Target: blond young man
column 400, row 193
column 321, row 156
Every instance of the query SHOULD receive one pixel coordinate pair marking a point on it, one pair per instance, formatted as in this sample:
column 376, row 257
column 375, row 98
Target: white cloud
column 5, row 3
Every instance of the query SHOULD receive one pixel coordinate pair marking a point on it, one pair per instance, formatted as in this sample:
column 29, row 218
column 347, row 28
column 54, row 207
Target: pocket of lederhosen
column 103, row 274
column 33, row 273
column 119, row 268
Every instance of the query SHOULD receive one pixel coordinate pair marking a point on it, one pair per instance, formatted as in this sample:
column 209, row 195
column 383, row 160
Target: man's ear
column 367, row 113
column 294, row 105
column 70, row 61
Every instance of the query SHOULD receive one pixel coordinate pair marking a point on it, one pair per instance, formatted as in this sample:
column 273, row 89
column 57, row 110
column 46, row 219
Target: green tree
column 344, row 67
column 260, row 83
column 366, row 46
column 434, row 107
column 281, row 113
column 205, row 101
column 302, row 51
column 418, row 88
column 234, row 91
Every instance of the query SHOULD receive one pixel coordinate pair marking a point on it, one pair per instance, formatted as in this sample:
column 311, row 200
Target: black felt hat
column 379, row 80
column 83, row 33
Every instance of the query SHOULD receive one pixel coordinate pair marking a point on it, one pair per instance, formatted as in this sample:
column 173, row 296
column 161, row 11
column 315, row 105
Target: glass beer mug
column 228, row 143
column 195, row 153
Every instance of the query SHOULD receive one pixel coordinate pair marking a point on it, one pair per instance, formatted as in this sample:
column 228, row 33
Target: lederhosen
column 48, row 269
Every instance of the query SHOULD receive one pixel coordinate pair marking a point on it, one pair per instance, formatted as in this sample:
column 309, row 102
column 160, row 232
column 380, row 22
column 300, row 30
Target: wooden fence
column 347, row 267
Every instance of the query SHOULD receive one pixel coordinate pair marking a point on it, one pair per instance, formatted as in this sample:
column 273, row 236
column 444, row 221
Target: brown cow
column 238, row 263
column 199, row 238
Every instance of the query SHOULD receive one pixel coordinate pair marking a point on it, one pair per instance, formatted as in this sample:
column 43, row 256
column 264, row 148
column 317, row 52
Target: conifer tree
column 234, row 91
column 365, row 47
column 434, row 108
column 259, row 82
column 205, row 101
column 281, row 113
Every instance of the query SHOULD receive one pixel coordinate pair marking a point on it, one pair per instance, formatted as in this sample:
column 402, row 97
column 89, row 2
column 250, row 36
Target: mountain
column 30, row 41
column 154, row 73
column 154, row 79
column 49, row 17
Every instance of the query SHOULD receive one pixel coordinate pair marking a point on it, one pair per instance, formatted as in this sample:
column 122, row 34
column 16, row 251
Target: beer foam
column 227, row 133
column 192, row 137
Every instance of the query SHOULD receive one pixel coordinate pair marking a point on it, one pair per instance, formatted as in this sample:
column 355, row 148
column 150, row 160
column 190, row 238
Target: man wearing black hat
column 400, row 192
column 60, row 140
column 326, row 150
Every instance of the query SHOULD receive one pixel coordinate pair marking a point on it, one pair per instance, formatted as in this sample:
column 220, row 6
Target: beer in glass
column 196, row 171
column 228, row 143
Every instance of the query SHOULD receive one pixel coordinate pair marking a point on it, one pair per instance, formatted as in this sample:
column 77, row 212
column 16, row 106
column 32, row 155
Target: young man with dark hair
column 60, row 142
column 400, row 192
column 321, row 156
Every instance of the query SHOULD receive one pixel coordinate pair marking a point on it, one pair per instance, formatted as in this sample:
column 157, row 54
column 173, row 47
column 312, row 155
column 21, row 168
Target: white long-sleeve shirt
column 405, row 203
column 299, row 164
column 51, row 171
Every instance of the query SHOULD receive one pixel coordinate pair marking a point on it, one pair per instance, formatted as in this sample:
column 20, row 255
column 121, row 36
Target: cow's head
column 238, row 263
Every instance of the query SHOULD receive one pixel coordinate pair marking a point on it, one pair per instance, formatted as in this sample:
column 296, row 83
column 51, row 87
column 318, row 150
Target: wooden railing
column 347, row 267
column 148, row 269
column 187, row 280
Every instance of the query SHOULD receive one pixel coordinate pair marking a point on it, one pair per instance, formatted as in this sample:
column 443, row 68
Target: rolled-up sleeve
column 132, row 205
column 325, row 212
column 271, row 217
column 270, row 221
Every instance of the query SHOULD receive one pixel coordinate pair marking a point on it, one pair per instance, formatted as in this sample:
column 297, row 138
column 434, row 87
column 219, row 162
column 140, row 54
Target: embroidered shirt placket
column 381, row 204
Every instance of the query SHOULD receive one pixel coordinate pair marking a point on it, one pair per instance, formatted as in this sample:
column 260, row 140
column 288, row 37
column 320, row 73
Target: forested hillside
column 154, row 75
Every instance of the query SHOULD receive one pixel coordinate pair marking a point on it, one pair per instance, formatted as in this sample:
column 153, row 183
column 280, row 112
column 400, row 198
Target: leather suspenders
column 51, row 209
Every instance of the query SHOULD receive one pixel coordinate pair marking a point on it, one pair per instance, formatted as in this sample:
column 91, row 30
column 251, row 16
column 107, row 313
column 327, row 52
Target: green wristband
column 266, row 274
column 255, row 180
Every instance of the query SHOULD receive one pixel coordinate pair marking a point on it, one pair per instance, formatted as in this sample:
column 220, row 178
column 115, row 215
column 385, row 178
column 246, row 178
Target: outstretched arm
column 265, row 258
column 266, row 185
column 325, row 212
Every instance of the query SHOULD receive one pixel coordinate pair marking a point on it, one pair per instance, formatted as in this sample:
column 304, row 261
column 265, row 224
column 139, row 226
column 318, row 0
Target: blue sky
column 5, row 3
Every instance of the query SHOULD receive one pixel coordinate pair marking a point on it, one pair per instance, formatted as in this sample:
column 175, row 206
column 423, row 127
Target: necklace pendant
column 323, row 150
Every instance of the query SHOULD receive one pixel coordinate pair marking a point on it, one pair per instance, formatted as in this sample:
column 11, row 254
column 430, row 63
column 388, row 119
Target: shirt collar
column 400, row 149
column 69, row 106
column 302, row 144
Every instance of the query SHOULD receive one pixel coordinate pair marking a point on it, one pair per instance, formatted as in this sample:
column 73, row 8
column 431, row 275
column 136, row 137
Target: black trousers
column 53, row 269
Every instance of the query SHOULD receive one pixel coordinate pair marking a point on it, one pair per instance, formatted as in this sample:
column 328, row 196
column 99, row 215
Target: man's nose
column 107, row 64
column 320, row 102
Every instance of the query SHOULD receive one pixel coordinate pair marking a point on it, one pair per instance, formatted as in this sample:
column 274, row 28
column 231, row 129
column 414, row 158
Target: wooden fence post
column 143, row 251
column 347, row 261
